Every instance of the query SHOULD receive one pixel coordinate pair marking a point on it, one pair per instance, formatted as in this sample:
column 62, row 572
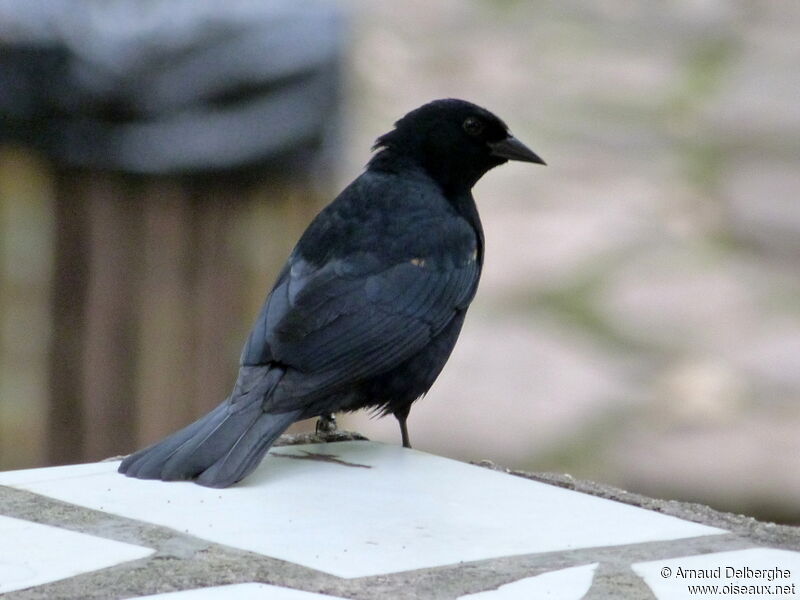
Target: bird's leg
column 402, row 416
column 326, row 423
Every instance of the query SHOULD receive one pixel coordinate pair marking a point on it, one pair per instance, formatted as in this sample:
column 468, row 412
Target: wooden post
column 177, row 160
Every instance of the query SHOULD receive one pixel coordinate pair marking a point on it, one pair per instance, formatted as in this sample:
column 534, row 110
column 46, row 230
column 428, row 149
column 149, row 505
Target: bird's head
column 454, row 141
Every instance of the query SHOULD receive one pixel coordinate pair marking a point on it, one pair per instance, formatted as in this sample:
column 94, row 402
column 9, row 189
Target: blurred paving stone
column 758, row 95
column 683, row 297
column 579, row 228
column 745, row 463
column 772, row 357
column 762, row 196
column 699, row 390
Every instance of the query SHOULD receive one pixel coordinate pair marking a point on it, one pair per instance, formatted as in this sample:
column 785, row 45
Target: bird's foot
column 326, row 424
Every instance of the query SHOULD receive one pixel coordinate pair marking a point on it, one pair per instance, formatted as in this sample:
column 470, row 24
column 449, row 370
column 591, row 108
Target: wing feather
column 338, row 324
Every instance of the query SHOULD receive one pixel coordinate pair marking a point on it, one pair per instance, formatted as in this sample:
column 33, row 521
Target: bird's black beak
column 512, row 149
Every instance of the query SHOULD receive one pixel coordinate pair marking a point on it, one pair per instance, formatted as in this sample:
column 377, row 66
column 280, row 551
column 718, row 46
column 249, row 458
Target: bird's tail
column 225, row 445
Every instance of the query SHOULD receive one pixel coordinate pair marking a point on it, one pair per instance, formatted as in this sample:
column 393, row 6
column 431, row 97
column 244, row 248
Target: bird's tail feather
column 222, row 447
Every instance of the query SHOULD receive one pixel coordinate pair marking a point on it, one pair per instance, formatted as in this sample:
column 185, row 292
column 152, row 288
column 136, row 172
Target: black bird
column 369, row 304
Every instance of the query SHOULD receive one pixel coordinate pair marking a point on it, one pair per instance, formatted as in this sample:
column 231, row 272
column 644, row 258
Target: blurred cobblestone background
column 638, row 320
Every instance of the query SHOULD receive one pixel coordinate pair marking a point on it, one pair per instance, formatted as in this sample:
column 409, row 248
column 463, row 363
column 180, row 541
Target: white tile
column 241, row 591
column 565, row 584
column 670, row 579
column 32, row 554
column 410, row 510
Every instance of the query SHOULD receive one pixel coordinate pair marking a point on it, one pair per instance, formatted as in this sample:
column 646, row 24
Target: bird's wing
column 351, row 319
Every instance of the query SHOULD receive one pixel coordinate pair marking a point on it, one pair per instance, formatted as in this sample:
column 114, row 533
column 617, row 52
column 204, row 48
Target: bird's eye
column 473, row 126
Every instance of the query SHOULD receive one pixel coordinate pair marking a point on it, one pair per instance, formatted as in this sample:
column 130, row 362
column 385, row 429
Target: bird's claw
column 326, row 424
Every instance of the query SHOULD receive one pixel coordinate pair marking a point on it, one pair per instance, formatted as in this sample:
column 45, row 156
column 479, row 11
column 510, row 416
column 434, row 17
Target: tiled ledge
column 358, row 519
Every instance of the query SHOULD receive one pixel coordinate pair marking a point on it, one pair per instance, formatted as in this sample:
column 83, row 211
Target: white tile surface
column 565, row 584
column 409, row 510
column 32, row 554
column 670, row 579
column 241, row 591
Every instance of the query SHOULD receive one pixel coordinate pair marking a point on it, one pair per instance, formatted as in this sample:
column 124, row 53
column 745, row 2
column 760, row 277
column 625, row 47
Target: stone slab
column 564, row 584
column 241, row 591
column 356, row 509
column 33, row 554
